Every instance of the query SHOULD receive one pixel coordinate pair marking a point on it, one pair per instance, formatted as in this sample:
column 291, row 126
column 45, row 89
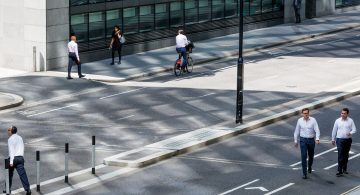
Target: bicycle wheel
column 190, row 65
column 177, row 70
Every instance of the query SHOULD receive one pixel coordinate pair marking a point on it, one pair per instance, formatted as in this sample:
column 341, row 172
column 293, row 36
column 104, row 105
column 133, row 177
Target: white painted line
column 206, row 95
column 334, row 148
column 88, row 170
column 331, row 42
column 125, row 92
column 229, row 191
column 126, row 117
column 92, row 181
column 37, row 140
column 281, row 188
column 72, row 105
column 358, row 35
column 331, row 166
column 257, row 188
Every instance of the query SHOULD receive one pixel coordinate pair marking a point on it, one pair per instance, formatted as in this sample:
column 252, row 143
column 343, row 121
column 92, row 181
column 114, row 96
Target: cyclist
column 181, row 43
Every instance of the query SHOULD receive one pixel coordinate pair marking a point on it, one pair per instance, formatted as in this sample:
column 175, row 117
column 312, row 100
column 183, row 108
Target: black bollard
column 93, row 155
column 7, row 180
column 66, row 162
column 38, row 171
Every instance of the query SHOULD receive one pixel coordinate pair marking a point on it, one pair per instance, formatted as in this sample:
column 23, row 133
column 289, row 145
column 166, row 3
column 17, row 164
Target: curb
column 18, row 100
column 228, row 54
column 194, row 140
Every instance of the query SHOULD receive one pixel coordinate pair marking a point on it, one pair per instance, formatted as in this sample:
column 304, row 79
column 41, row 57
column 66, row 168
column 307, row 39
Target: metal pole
column 7, row 180
column 34, row 58
column 93, row 155
column 38, row 171
column 66, row 162
column 240, row 69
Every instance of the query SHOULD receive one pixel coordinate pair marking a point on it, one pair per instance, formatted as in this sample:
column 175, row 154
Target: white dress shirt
column 16, row 147
column 307, row 129
column 181, row 41
column 342, row 128
column 73, row 48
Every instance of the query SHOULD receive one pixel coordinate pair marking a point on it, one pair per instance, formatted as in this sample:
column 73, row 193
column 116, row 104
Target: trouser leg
column 22, row 174
column 113, row 55
column 346, row 153
column 183, row 53
column 79, row 69
column 340, row 148
column 70, row 64
column 311, row 149
column 303, row 149
column 119, row 52
column 11, row 174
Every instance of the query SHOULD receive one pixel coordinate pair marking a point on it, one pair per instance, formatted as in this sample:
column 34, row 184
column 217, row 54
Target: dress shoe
column 68, row 78
column 28, row 192
column 112, row 63
column 339, row 174
column 304, row 177
column 81, row 76
column 345, row 172
column 309, row 170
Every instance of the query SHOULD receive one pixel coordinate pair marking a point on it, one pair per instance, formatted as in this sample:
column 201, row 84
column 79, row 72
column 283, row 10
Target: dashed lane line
column 32, row 115
column 331, row 166
column 125, row 92
column 234, row 189
column 279, row 189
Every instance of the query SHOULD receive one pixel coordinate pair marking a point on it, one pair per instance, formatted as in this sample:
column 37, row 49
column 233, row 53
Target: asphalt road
column 263, row 161
column 132, row 114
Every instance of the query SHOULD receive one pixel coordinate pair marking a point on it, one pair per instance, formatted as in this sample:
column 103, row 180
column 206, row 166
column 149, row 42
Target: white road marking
column 358, row 35
column 331, row 166
column 59, row 178
column 94, row 181
column 293, row 165
column 37, row 140
column 72, row 105
column 206, row 95
column 125, row 92
column 281, row 188
column 331, row 42
column 229, row 191
column 126, row 117
column 257, row 188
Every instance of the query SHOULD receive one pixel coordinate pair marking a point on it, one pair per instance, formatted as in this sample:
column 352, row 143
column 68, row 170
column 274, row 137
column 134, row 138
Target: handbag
column 122, row 39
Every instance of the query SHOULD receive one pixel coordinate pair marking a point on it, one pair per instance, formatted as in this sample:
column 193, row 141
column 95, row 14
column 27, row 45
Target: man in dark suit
column 297, row 6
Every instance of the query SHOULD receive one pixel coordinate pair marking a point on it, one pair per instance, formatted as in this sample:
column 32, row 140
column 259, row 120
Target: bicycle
column 188, row 67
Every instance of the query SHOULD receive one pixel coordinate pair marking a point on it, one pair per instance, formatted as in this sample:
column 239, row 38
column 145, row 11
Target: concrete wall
column 22, row 26
column 325, row 7
column 289, row 13
column 57, row 33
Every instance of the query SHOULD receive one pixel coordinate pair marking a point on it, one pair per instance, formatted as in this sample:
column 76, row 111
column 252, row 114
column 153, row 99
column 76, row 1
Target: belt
column 306, row 137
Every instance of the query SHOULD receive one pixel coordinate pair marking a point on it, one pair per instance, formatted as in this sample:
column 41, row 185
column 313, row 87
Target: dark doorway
column 310, row 9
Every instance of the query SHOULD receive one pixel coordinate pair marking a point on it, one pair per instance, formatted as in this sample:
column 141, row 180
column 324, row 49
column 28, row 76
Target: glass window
column 78, row 2
column 176, row 14
column 246, row 10
column 113, row 18
column 230, row 8
column 191, row 11
column 255, row 7
column 277, row 5
column 217, row 9
column 146, row 18
column 267, row 6
column 78, row 25
column 130, row 20
column 96, row 25
column 204, row 10
column 96, row 1
column 161, row 16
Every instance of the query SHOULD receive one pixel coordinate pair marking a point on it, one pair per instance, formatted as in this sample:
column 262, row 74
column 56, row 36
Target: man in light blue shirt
column 343, row 129
column 308, row 130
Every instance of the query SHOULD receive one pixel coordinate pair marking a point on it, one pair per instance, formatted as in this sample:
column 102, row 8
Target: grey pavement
column 8, row 100
column 155, row 61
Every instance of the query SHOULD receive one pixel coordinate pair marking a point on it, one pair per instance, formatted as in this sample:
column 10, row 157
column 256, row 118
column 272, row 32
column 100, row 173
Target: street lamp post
column 240, row 69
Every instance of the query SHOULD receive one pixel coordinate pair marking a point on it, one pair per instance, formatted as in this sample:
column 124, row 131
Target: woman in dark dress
column 115, row 44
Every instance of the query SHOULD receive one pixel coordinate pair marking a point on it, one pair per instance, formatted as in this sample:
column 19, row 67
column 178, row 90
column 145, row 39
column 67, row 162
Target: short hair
column 72, row 34
column 181, row 31
column 305, row 109
column 346, row 110
column 13, row 130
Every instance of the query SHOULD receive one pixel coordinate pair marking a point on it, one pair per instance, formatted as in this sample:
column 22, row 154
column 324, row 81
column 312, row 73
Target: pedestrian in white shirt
column 308, row 130
column 16, row 158
column 181, row 42
column 74, row 57
column 344, row 128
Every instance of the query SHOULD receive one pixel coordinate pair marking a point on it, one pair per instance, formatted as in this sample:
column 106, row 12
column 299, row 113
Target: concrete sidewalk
column 161, row 60
column 8, row 100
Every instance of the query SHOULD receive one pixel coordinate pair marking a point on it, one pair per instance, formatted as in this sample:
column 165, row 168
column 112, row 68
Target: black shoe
column 309, row 170
column 81, row 76
column 304, row 177
column 28, row 192
column 119, row 62
column 345, row 172
column 339, row 174
column 4, row 191
column 68, row 78
column 112, row 63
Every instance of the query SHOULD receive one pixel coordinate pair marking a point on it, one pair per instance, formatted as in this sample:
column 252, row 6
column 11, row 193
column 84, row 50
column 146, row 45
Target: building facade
column 38, row 30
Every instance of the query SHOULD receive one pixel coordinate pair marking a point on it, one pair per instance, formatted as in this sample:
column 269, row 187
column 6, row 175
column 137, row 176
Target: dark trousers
column 183, row 53
column 307, row 147
column 73, row 60
column 343, row 147
column 18, row 164
column 118, row 50
column 297, row 14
